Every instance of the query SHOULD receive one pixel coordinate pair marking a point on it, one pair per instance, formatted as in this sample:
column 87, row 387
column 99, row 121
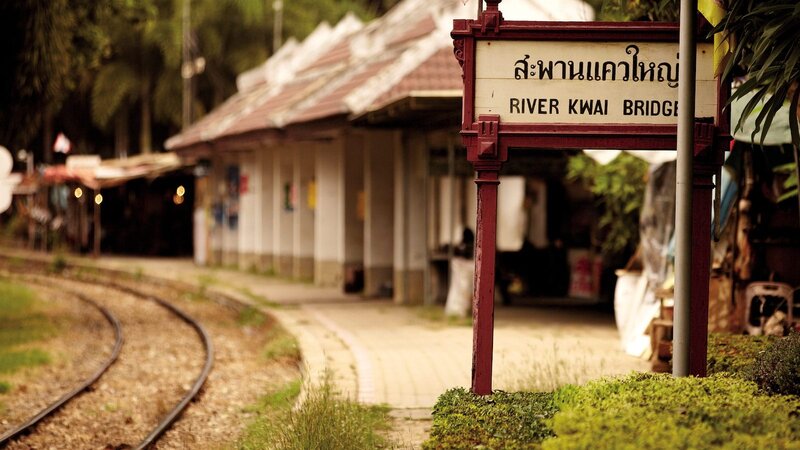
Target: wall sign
column 549, row 82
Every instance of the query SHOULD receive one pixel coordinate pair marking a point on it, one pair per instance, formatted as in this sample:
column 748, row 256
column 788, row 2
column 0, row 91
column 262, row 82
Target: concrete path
column 378, row 352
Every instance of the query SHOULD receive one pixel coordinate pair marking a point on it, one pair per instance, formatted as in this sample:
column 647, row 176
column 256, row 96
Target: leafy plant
column 639, row 411
column 765, row 35
column 663, row 412
column 627, row 10
column 777, row 369
column 790, row 184
column 619, row 187
column 735, row 354
column 518, row 420
column 281, row 346
column 323, row 421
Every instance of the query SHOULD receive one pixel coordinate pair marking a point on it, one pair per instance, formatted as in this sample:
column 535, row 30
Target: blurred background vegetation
column 107, row 73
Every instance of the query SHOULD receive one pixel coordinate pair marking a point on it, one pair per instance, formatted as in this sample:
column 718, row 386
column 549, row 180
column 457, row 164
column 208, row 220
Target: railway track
column 81, row 387
column 85, row 288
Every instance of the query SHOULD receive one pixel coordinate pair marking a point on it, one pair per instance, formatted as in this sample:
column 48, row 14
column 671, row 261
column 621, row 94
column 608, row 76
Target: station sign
column 563, row 82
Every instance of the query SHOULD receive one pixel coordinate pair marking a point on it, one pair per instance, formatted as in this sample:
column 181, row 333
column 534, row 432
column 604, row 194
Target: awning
column 113, row 172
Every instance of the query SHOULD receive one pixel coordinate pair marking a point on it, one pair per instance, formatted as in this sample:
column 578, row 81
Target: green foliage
column 323, row 421
column 20, row 324
column 501, row 420
column 268, row 408
column 662, row 412
column 59, row 263
column 280, row 400
column 4, row 387
column 653, row 411
column 627, row 10
column 777, row 369
column 50, row 47
column 281, row 345
column 619, row 187
column 250, row 316
column 11, row 361
column 765, row 37
column 734, row 354
column 790, row 184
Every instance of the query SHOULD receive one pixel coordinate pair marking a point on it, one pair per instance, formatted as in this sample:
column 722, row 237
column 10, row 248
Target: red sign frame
column 487, row 141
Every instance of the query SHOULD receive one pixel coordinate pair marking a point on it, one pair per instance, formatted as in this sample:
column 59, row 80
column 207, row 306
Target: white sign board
column 567, row 82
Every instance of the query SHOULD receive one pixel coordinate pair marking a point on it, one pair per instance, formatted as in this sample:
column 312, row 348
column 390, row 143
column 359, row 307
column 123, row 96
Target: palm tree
column 141, row 36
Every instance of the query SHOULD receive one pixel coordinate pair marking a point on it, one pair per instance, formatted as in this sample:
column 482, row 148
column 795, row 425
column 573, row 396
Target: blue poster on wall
column 232, row 209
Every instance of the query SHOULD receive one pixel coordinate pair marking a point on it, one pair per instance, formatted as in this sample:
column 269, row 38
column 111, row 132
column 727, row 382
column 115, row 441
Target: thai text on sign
column 587, row 82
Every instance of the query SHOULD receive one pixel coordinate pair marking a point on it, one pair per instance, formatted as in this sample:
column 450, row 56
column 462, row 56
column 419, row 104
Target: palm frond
column 116, row 82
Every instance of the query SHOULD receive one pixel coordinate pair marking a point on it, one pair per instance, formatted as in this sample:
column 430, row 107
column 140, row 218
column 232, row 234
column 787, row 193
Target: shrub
column 324, row 421
column 501, row 420
column 734, row 354
column 662, row 412
column 777, row 369
column 58, row 264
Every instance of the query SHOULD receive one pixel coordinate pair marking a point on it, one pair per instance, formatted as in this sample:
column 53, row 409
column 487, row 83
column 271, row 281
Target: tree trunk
column 121, row 133
column 145, row 130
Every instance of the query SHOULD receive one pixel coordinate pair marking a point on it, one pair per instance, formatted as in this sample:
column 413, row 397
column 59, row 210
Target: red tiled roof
column 422, row 28
column 194, row 133
column 339, row 53
column 439, row 72
column 334, row 102
column 262, row 116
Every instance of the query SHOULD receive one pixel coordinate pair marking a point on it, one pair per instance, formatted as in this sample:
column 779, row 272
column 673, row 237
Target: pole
column 31, row 198
column 683, row 201
column 187, row 69
column 96, row 232
column 277, row 26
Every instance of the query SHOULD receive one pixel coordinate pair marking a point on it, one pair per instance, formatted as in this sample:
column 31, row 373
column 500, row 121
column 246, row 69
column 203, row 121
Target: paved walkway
column 379, row 352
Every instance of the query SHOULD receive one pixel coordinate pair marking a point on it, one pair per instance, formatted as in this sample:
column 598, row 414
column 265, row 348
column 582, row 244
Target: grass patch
column 21, row 324
column 58, row 264
column 250, row 317
column 435, row 313
column 11, row 361
column 258, row 299
column 280, row 400
column 324, row 421
column 4, row 387
column 549, row 369
column 281, row 345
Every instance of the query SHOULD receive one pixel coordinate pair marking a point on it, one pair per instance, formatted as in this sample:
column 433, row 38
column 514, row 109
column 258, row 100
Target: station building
column 339, row 159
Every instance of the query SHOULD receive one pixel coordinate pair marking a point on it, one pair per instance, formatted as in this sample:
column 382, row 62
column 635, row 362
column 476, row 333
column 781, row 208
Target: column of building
column 249, row 210
column 304, row 203
column 265, row 227
column 410, row 255
column 379, row 190
column 283, row 214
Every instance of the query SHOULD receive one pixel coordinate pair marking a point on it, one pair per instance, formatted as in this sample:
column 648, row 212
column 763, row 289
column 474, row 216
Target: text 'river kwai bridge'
column 579, row 85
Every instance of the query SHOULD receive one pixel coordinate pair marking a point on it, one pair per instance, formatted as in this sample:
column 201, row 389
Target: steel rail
column 166, row 422
column 52, row 407
column 176, row 411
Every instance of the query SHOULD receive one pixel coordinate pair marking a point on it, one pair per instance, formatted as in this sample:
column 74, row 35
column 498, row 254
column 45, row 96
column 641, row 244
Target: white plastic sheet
column 459, row 296
column 634, row 307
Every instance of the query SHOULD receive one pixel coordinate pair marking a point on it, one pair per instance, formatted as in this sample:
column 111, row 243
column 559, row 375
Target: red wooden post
column 487, row 179
column 486, row 157
column 708, row 157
